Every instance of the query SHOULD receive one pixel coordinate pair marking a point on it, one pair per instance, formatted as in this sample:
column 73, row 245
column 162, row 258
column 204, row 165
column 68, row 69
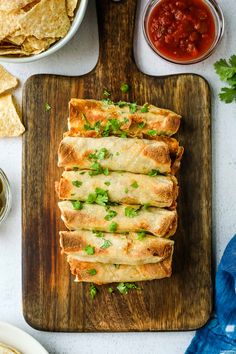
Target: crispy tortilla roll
column 115, row 248
column 131, row 155
column 93, row 118
column 125, row 218
column 123, row 188
column 100, row 273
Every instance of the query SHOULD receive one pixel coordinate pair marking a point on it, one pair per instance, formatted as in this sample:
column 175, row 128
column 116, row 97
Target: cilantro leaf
column 98, row 233
column 131, row 212
column 154, row 173
column 90, row 250
column 107, row 183
column 77, row 183
column 92, row 271
column 124, row 88
column 47, row 107
column 133, row 107
column 92, row 291
column 134, row 184
column 141, row 125
column 100, row 196
column 77, row 205
column 152, row 132
column 106, row 244
column 227, row 94
column 113, row 226
column 141, row 235
column 144, row 108
column 106, row 93
column 111, row 214
column 110, row 290
column 227, row 72
column 125, row 287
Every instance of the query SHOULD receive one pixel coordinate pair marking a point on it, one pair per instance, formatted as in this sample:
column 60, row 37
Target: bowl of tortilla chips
column 33, row 29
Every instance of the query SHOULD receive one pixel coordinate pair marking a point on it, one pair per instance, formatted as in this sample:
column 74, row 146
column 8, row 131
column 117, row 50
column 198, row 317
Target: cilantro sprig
column 227, row 73
column 125, row 287
column 100, row 196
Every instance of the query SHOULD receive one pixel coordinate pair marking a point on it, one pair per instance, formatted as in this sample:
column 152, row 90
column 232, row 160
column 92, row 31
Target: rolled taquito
column 93, row 118
column 133, row 248
column 123, row 188
column 101, row 273
column 120, row 218
column 115, row 154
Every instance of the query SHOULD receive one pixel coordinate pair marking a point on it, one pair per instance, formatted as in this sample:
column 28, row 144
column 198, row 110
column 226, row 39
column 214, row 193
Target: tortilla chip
column 9, row 23
column 7, row 81
column 71, row 6
column 12, row 51
column 12, row 5
column 15, row 39
column 48, row 18
column 34, row 45
column 10, row 123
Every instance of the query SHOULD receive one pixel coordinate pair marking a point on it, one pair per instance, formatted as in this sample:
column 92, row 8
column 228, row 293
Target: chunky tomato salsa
column 181, row 30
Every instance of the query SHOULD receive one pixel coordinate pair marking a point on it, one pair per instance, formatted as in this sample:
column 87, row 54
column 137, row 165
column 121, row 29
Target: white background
column 78, row 57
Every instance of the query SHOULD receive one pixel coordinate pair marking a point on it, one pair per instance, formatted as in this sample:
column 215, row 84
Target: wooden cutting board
column 52, row 301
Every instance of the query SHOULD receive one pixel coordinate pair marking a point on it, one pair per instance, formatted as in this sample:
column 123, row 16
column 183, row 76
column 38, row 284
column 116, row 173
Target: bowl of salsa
column 183, row 31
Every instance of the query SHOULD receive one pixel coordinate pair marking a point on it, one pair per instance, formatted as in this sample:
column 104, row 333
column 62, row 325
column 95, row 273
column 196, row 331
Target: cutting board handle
column 116, row 28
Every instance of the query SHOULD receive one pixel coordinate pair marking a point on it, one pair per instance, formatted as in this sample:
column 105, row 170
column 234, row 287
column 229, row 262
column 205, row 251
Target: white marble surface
column 78, row 57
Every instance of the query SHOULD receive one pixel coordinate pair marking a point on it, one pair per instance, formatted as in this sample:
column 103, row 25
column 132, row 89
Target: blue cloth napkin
column 218, row 336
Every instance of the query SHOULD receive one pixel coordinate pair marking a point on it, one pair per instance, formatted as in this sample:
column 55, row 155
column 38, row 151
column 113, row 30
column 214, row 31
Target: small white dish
column 19, row 340
column 80, row 12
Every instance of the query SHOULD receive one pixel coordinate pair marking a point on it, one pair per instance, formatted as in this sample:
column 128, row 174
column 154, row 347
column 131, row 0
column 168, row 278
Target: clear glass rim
column 219, row 23
column 8, row 195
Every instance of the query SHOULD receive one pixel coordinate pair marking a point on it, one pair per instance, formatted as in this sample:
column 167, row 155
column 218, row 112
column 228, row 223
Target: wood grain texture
column 51, row 300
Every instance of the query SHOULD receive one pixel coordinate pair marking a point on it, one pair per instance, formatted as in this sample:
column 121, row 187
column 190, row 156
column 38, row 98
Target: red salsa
column 181, row 30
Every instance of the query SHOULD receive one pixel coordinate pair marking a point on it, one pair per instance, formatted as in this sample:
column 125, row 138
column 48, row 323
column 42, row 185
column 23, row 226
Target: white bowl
column 80, row 12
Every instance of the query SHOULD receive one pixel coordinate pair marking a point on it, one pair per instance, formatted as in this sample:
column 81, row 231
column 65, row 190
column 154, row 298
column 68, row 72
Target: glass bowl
column 5, row 196
column 219, row 30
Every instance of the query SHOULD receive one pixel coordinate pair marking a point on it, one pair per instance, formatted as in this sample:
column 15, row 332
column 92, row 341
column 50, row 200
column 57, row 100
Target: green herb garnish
column 101, row 154
column 77, row 205
column 107, row 183
column 100, row 196
column 144, row 108
column 133, row 107
column 131, row 212
column 111, row 214
column 125, row 287
column 92, row 271
column 106, row 93
column 97, row 169
column 92, row 291
column 113, row 226
column 77, row 183
column 227, row 72
column 47, row 107
column 90, row 250
column 141, row 235
column 134, row 185
column 75, row 168
column 154, row 173
column 126, row 190
column 152, row 132
column 106, row 244
column 146, row 206
column 110, row 290
column 142, row 125
column 98, row 233
column 124, row 88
